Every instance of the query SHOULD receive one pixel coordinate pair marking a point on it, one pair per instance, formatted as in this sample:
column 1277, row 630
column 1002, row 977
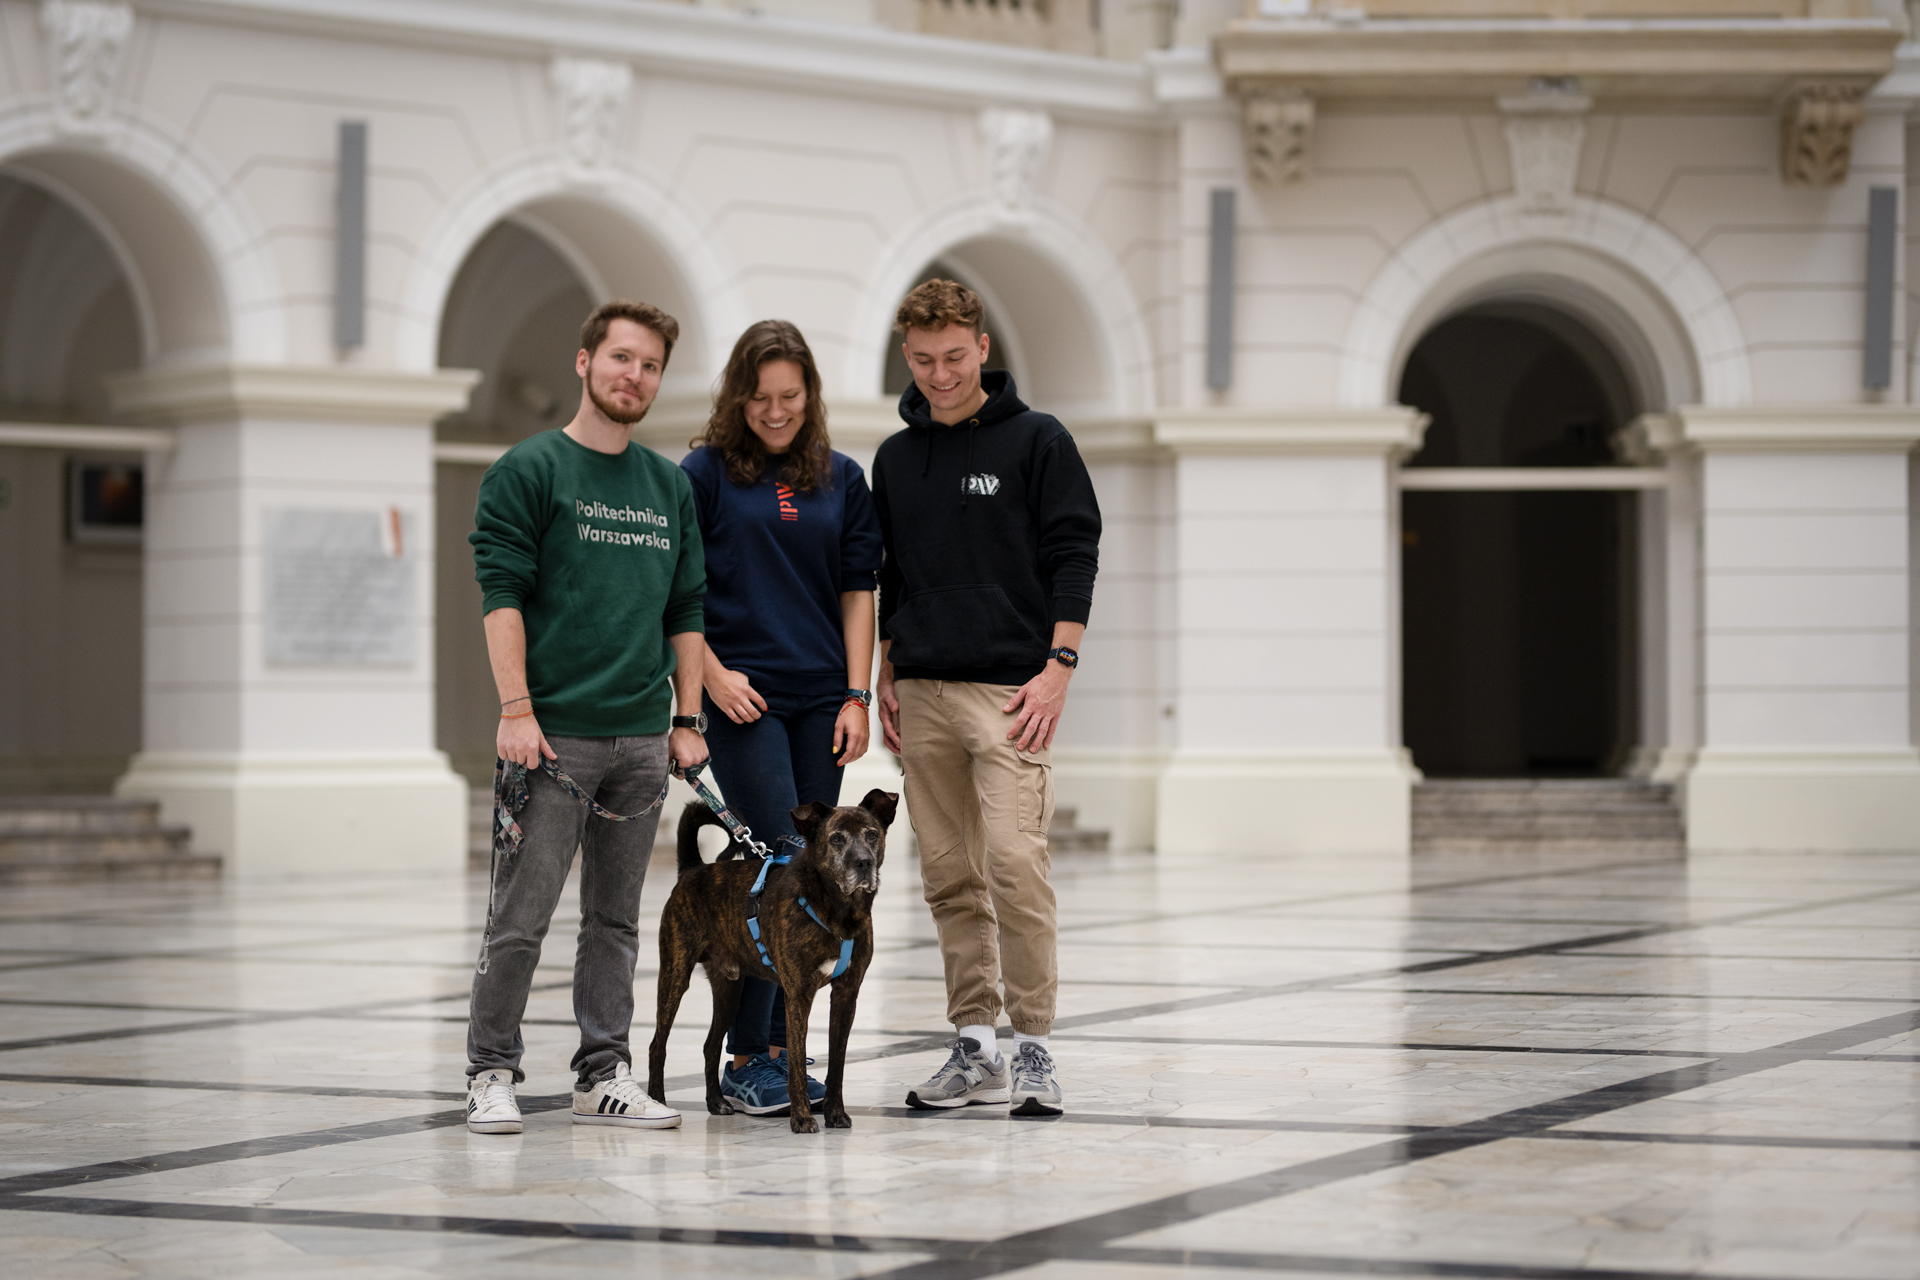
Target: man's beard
column 624, row 417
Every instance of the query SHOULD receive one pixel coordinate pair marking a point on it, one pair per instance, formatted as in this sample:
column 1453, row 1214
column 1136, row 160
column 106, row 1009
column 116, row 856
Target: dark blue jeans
column 765, row 769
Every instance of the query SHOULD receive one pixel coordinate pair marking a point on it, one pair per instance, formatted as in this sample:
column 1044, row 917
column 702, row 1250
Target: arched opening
column 1518, row 617
column 1042, row 329
column 70, row 520
column 514, row 312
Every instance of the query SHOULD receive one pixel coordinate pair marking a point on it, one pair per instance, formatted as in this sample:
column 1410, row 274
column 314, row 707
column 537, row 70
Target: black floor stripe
column 959, row 1251
column 1098, row 1230
column 225, row 1086
column 1719, row 996
column 1729, row 1140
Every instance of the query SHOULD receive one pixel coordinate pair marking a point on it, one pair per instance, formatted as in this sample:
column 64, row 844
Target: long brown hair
column 808, row 463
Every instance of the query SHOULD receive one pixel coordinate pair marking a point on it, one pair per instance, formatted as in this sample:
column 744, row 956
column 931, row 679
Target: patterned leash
column 509, row 797
column 737, row 829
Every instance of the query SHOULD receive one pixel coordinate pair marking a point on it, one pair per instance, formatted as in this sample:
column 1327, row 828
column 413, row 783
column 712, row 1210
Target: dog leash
column 768, row 861
column 509, row 797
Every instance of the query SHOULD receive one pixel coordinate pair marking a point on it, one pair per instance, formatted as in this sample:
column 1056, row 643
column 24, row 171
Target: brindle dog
column 705, row 922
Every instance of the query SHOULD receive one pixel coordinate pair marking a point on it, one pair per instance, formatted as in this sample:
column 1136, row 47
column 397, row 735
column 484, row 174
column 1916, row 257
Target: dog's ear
column 808, row 817
column 882, row 805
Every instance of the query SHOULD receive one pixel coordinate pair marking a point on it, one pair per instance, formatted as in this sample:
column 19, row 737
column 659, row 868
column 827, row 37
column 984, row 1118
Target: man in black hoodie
column 992, row 539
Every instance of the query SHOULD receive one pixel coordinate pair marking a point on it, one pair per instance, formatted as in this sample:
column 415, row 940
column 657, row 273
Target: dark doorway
column 1516, row 624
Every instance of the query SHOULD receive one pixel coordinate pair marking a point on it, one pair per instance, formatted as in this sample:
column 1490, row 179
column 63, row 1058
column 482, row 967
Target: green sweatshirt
column 601, row 554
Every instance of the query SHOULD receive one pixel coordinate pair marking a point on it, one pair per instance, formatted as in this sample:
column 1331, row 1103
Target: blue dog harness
column 744, row 834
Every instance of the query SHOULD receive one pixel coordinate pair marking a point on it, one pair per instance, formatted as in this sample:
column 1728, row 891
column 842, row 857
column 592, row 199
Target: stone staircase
column 1522, row 815
column 76, row 839
column 1066, row 835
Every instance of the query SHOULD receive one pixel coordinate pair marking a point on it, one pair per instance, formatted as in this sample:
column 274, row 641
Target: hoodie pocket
column 961, row 627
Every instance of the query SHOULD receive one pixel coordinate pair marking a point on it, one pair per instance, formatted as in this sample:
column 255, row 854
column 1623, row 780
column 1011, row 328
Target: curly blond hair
column 939, row 303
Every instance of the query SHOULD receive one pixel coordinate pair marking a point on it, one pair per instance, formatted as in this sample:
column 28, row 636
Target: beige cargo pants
column 980, row 811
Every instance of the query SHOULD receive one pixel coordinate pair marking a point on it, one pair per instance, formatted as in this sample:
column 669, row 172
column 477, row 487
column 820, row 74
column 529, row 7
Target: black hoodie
column 991, row 533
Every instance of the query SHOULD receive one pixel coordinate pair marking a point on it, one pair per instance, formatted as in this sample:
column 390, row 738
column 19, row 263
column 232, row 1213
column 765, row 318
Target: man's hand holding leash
column 519, row 739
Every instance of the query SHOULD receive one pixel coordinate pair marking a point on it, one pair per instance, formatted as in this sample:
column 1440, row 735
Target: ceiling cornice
column 723, row 44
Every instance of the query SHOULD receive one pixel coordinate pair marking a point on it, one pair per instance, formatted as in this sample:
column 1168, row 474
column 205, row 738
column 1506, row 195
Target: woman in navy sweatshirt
column 793, row 547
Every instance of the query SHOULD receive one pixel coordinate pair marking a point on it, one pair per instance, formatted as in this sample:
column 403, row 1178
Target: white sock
column 982, row 1036
column 1020, row 1039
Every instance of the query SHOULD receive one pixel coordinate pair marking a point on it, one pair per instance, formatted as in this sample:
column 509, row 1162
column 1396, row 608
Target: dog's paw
column 803, row 1124
column 839, row 1120
column 719, row 1107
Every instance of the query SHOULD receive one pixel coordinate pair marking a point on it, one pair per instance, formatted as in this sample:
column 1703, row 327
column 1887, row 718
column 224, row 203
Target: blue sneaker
column 816, row 1092
column 758, row 1089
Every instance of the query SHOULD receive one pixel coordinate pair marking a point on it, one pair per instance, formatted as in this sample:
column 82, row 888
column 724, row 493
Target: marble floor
column 1460, row 1066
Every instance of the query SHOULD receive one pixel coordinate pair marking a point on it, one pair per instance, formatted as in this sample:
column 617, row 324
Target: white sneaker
column 491, row 1106
column 620, row 1100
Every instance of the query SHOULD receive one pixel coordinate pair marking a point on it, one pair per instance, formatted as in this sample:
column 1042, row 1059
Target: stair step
column 1078, row 840
column 1516, row 827
column 55, row 847
column 36, row 815
column 169, row 866
column 1462, row 844
column 1585, row 815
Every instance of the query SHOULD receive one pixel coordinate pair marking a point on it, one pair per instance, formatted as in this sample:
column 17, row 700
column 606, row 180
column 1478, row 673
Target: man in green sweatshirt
column 588, row 555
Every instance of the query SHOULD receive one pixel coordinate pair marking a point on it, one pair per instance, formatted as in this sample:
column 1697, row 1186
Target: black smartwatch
column 696, row 723
column 1065, row 657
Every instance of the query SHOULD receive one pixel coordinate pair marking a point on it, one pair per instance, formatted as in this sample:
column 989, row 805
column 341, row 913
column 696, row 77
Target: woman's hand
column 734, row 694
column 851, row 729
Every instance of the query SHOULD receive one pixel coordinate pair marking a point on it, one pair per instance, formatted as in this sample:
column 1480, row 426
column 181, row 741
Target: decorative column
column 289, row 618
column 1806, row 640
column 1285, row 693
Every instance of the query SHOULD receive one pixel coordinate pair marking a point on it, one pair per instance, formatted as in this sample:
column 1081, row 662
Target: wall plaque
column 339, row 588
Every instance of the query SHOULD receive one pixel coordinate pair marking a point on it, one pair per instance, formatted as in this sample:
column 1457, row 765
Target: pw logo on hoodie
column 980, row 485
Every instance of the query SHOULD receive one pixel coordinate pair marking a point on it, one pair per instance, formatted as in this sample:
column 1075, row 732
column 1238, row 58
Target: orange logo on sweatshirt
column 787, row 510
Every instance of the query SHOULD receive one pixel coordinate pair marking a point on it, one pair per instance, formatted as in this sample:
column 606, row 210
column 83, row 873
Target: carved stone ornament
column 1017, row 144
column 1816, row 134
column 1545, row 130
column 592, row 94
column 86, row 42
column 1279, row 137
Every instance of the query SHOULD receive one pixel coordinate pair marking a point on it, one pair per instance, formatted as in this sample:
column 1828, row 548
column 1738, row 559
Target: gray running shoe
column 1035, row 1092
column 968, row 1078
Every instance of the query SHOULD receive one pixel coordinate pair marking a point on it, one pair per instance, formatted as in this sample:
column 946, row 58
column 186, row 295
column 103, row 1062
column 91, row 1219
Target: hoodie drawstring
column 966, row 477
column 927, row 464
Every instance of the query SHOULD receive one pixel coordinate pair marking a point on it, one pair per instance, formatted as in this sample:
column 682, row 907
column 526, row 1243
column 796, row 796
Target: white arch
column 1126, row 351
column 718, row 307
column 1412, row 289
column 245, row 276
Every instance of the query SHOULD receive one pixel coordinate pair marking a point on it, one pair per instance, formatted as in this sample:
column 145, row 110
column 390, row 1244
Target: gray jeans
column 624, row 775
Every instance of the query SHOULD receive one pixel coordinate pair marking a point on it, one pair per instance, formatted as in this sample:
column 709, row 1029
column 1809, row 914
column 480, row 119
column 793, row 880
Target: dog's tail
column 692, row 818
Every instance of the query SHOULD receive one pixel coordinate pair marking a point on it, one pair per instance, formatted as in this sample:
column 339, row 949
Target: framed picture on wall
column 106, row 503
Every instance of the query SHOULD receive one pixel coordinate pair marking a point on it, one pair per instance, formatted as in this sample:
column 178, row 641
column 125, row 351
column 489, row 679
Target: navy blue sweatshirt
column 777, row 561
column 992, row 535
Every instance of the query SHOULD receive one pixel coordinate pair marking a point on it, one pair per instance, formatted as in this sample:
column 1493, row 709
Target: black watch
column 696, row 723
column 1065, row 657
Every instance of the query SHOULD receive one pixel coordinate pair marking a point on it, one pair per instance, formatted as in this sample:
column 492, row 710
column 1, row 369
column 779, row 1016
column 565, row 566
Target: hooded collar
column 1003, row 402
